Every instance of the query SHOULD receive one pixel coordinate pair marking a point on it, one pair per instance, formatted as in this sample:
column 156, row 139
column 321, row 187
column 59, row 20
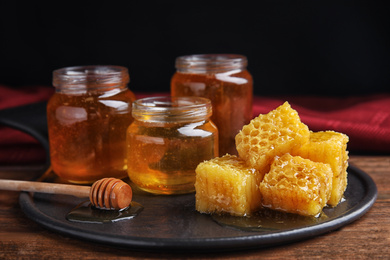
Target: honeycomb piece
column 329, row 147
column 297, row 185
column 270, row 135
column 226, row 185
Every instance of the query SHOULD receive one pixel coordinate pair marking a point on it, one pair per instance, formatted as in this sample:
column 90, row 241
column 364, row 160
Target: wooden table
column 367, row 237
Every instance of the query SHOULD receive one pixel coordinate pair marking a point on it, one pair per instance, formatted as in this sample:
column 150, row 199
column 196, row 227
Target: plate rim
column 249, row 241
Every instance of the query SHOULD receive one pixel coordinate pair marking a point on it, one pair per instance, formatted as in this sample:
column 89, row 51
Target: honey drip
column 86, row 213
column 266, row 220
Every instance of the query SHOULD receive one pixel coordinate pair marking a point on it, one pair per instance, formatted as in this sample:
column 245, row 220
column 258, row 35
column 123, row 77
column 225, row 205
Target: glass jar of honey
column 225, row 80
column 87, row 121
column 167, row 140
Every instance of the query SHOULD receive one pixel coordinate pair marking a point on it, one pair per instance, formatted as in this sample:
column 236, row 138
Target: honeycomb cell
column 279, row 131
column 297, row 185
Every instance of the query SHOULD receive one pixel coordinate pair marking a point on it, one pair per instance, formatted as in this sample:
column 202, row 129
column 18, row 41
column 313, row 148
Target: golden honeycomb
column 329, row 147
column 227, row 185
column 297, row 185
column 294, row 169
column 270, row 135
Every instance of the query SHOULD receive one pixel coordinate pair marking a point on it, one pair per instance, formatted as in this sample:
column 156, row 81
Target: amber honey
column 87, row 121
column 167, row 140
column 224, row 79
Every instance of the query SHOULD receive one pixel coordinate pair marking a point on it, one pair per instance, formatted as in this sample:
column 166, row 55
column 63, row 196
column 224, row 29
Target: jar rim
column 171, row 109
column 90, row 75
column 211, row 62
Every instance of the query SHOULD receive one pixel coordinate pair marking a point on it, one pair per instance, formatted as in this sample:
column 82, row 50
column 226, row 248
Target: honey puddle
column 85, row 212
column 267, row 220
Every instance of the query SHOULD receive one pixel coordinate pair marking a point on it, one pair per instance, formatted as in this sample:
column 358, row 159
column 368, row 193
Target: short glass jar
column 167, row 140
column 224, row 79
column 87, row 121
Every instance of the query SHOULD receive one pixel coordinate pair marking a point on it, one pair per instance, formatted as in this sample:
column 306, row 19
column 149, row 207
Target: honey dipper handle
column 44, row 187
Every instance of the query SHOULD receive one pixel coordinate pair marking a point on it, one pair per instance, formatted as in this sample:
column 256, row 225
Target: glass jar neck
column 210, row 63
column 90, row 78
column 172, row 109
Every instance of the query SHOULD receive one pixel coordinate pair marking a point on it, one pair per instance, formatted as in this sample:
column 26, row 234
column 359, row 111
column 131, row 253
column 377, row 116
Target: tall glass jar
column 87, row 121
column 224, row 79
column 167, row 140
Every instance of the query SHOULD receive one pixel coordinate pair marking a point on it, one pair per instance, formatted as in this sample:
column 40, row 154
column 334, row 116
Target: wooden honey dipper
column 107, row 193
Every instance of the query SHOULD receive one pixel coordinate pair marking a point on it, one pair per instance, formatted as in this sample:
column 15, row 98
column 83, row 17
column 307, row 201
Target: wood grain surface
column 366, row 238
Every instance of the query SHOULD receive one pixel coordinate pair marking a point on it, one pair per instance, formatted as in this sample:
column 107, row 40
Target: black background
column 305, row 47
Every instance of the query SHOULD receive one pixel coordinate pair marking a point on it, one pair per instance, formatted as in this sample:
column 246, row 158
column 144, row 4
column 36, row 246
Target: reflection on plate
column 171, row 222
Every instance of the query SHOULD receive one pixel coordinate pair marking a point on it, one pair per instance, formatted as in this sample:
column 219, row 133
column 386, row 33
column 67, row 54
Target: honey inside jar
column 87, row 121
column 167, row 140
column 224, row 79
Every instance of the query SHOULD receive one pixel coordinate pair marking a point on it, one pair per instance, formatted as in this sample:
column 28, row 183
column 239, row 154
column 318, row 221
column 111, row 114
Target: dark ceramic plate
column 171, row 222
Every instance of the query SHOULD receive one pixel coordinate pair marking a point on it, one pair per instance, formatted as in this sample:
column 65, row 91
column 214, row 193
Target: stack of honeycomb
column 296, row 170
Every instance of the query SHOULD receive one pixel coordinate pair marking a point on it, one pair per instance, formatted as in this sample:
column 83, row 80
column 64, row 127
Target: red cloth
column 12, row 97
column 365, row 119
